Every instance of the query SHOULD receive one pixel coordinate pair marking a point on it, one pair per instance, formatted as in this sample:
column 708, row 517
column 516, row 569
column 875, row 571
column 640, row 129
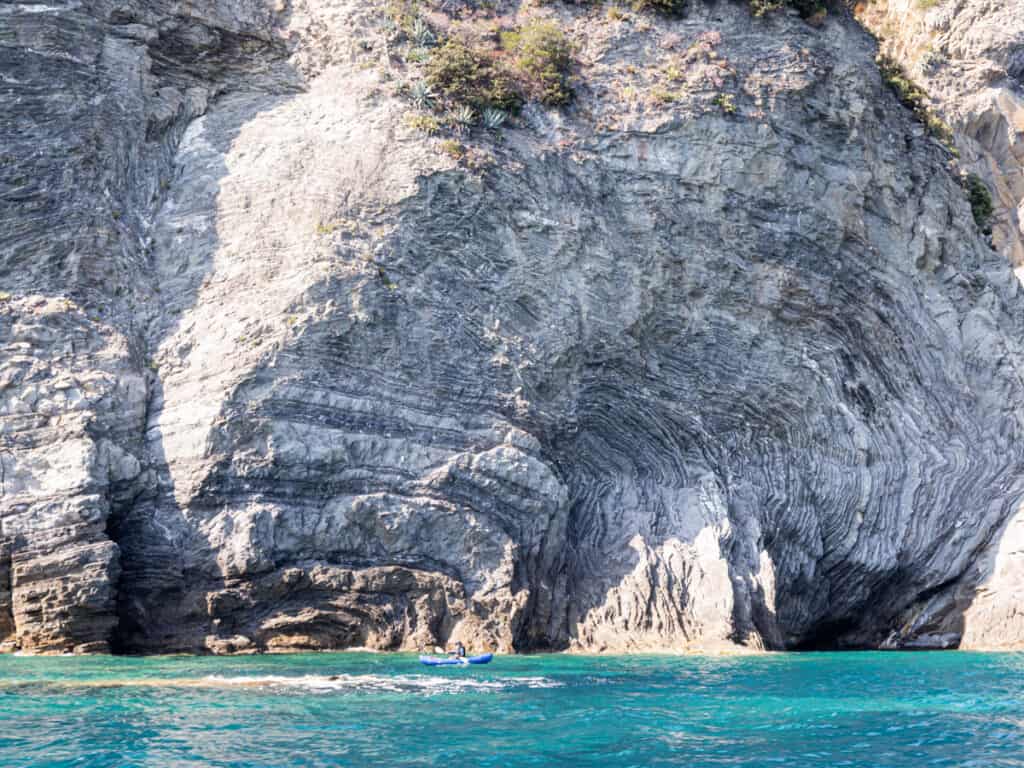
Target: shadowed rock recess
column 713, row 357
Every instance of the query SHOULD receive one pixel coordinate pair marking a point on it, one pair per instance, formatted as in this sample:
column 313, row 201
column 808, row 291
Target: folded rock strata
column 969, row 57
column 281, row 373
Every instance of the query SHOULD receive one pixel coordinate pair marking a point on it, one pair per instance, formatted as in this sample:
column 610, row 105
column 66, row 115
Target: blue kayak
column 451, row 661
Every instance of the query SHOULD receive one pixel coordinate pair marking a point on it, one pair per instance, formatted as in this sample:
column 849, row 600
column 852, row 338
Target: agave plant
column 421, row 95
column 390, row 28
column 462, row 119
column 422, row 34
column 494, row 118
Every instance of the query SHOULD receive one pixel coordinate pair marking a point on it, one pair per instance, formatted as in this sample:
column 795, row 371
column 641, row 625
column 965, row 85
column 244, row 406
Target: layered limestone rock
column 70, row 402
column 969, row 56
column 95, row 95
column 72, row 394
column 714, row 357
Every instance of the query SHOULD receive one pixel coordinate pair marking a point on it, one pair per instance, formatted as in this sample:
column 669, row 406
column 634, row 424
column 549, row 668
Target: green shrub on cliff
column 807, row 8
column 938, row 128
column 912, row 96
column 727, row 102
column 469, row 83
column 915, row 99
column 426, row 123
column 667, row 7
column 981, row 202
column 465, row 77
column 543, row 58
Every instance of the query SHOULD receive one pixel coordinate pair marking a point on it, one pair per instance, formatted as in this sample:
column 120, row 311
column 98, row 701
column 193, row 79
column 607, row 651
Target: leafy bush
column 981, row 202
column 916, row 99
column 667, row 7
column 463, row 76
column 662, row 95
column 453, row 149
column 426, row 123
column 401, row 15
column 727, row 102
column 543, row 56
column 938, row 128
column 908, row 92
column 807, row 8
column 761, row 7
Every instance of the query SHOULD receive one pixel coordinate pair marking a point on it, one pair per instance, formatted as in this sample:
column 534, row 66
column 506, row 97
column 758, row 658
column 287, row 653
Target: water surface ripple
column 353, row 709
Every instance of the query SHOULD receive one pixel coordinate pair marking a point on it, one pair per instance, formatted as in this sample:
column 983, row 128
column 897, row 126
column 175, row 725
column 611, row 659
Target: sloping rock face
column 969, row 56
column 731, row 367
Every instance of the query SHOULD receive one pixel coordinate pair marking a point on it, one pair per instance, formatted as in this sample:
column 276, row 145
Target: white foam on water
column 425, row 684
column 411, row 684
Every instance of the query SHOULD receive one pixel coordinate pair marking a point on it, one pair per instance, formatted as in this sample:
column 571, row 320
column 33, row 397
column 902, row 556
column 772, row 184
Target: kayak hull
column 451, row 661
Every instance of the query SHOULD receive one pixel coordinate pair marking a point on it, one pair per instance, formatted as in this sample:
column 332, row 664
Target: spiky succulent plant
column 421, row 95
column 462, row 119
column 494, row 118
column 422, row 35
column 392, row 31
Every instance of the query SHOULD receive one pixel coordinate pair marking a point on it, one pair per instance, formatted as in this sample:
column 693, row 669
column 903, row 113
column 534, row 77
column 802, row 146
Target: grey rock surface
column 969, row 56
column 280, row 373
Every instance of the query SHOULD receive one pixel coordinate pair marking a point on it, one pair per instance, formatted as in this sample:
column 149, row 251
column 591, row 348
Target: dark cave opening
column 832, row 635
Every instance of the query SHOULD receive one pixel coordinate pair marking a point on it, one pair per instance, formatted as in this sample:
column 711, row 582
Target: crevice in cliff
column 7, row 627
column 184, row 63
column 119, row 508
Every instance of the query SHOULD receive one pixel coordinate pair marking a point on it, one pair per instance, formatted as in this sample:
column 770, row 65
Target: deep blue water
column 828, row 709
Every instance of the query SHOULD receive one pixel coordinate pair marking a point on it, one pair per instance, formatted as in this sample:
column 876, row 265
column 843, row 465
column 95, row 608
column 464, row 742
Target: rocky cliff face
column 713, row 357
column 969, row 56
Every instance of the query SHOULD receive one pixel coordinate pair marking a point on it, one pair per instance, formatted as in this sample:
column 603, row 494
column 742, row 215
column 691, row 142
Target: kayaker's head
column 460, row 648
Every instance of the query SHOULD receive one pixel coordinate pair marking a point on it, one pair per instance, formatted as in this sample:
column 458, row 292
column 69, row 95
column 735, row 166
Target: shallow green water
column 864, row 709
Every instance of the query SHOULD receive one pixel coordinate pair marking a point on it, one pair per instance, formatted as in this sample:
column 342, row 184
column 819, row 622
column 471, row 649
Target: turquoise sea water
column 829, row 709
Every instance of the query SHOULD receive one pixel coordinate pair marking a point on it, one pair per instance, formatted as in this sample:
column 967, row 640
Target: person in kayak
column 460, row 650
